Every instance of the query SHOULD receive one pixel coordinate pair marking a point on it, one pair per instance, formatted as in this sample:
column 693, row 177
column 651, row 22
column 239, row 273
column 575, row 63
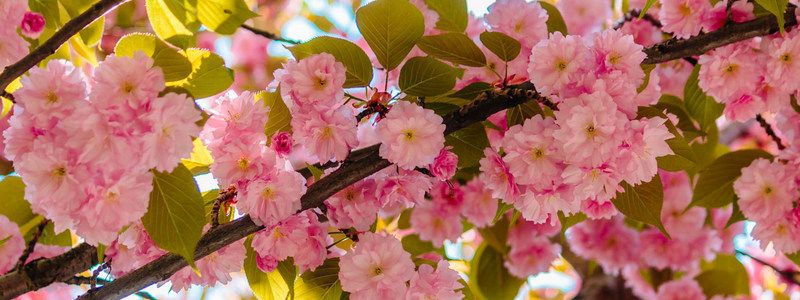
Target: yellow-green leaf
column 647, row 6
column 776, row 8
column 391, row 28
column 555, row 22
column 275, row 285
column 199, row 159
column 280, row 118
column 175, row 216
column 174, row 64
column 642, row 202
column 209, row 75
column 468, row 144
column 174, row 21
column 715, row 184
column 223, row 16
column 320, row 284
column 489, row 279
column 14, row 206
column 453, row 15
column 502, row 45
column 426, row 76
column 454, row 47
column 700, row 106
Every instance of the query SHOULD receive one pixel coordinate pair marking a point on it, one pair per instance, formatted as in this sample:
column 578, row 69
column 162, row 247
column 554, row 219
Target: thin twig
column 81, row 280
column 32, row 244
column 96, row 273
column 786, row 274
column 270, row 35
column 54, row 42
column 7, row 95
column 336, row 242
column 770, row 132
column 633, row 15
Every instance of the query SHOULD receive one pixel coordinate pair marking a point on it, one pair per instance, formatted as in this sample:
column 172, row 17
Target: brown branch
column 224, row 196
column 31, row 244
column 633, row 15
column 270, row 35
column 786, row 274
column 358, row 165
column 53, row 43
column 770, row 132
column 7, row 95
column 728, row 34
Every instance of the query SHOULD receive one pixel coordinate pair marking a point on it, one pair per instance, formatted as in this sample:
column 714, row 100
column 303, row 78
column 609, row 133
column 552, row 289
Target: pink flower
column 522, row 231
column 173, row 118
column 444, row 165
column 300, row 236
column 742, row 11
column 643, row 32
column 240, row 161
column 377, row 267
column 274, row 198
column 32, row 25
column 784, row 59
column 729, row 71
column 685, row 288
column 598, row 209
column 616, row 51
column 410, row 135
column 610, row 242
column 441, row 283
column 589, row 128
column 14, row 10
column 556, row 62
column 673, row 75
column 315, row 81
column 327, row 134
column 683, row 18
column 435, row 224
column 234, row 117
column 282, row 143
column 134, row 81
column 479, row 206
column 402, row 189
column 53, row 91
column 645, row 141
column 249, row 49
column 532, row 257
column 119, row 191
column 599, row 181
column 214, row 268
column 496, row 175
column 531, row 152
column 780, row 231
column 766, row 190
column 355, row 206
column 524, row 21
column 11, row 244
column 584, row 17
column 14, row 46
column 132, row 249
column 541, row 205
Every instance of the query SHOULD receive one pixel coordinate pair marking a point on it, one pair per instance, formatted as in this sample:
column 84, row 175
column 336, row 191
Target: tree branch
column 31, row 244
column 358, row 165
column 770, row 132
column 729, row 34
column 60, row 37
column 269, row 35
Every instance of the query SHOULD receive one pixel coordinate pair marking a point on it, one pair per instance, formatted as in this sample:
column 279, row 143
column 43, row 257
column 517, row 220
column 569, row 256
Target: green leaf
column 472, row 90
column 518, row 114
column 489, row 279
column 555, row 22
column 200, row 158
column 174, row 64
column 454, row 47
column 647, row 68
column 502, row 45
column 453, row 15
column 642, row 202
column 426, row 76
column 279, row 118
column 175, row 216
column 468, row 144
column 647, row 6
column 209, row 75
column 357, row 63
column 412, row 244
column 777, row 8
column 322, row 283
column 223, row 16
column 497, row 235
column 715, row 185
column 569, row 221
column 724, row 276
column 49, row 236
column 700, row 106
column 14, row 207
column 275, row 285
column 174, row 21
column 391, row 28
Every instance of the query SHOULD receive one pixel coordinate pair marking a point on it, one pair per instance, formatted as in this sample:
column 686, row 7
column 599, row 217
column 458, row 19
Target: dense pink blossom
column 479, row 206
column 589, row 128
column 524, row 21
column 434, row 223
column 282, row 143
column 273, row 198
column 215, row 268
column 32, row 25
column 11, row 244
column 584, row 17
column 234, row 117
column 354, row 206
column 781, row 231
column 14, row 47
column 683, row 18
column 126, row 80
column 315, row 81
column 614, row 51
column 610, row 242
column 173, row 118
column 531, row 152
column 557, row 62
column 410, row 135
column 728, row 71
column 127, row 194
column 644, row 33
column 765, row 190
column 784, row 59
column 531, row 257
column 441, row 283
column 682, row 289
column 329, row 135
column 595, row 181
column 598, row 208
column 401, row 189
column 52, row 92
column 444, row 165
column 496, row 175
column 131, row 250
column 300, row 236
column 240, row 161
column 377, row 267
column 645, row 141
column 542, row 204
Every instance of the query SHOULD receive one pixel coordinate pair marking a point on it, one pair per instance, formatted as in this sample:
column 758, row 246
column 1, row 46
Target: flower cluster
column 17, row 17
column 70, row 139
